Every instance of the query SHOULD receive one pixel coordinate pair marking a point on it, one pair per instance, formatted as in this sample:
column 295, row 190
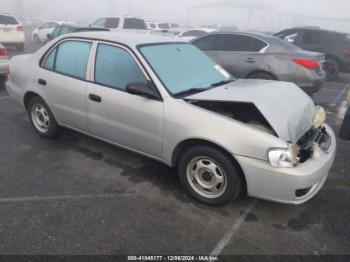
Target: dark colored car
column 335, row 45
column 73, row 28
column 345, row 130
column 257, row 56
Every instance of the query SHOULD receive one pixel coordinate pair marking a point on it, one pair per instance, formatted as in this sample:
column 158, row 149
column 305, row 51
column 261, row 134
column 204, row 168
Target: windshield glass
column 182, row 67
column 8, row 20
column 164, row 26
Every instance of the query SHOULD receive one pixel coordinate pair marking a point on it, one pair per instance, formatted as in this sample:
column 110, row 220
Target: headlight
column 283, row 158
column 320, row 116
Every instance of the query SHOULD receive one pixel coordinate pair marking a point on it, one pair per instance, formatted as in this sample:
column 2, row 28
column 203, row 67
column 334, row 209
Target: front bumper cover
column 280, row 184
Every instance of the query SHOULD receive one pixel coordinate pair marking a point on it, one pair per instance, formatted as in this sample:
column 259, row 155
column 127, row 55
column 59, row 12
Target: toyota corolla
column 169, row 101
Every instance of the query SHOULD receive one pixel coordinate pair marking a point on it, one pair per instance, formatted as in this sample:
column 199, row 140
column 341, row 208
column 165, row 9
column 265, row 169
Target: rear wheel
column 42, row 118
column 36, row 38
column 209, row 176
column 20, row 47
column 331, row 67
column 3, row 79
column 261, row 75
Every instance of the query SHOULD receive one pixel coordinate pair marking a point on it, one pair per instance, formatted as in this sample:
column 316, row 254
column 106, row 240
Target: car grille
column 315, row 136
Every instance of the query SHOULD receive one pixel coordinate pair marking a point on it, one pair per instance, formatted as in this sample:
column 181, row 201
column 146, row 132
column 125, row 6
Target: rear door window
column 257, row 45
column 70, row 58
column 116, row 68
column 8, row 20
column 237, row 43
column 210, row 43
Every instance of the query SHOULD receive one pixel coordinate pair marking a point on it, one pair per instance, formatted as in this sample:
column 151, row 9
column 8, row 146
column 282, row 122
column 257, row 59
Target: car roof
column 130, row 39
column 311, row 28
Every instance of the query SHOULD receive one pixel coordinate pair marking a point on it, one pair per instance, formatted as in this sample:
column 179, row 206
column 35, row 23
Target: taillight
column 20, row 28
column 307, row 63
column 3, row 52
column 347, row 52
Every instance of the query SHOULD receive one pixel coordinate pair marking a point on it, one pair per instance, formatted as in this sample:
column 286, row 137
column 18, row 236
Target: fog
column 268, row 15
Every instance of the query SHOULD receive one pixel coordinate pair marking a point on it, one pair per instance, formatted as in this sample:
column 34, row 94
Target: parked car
column 345, row 130
column 192, row 33
column 171, row 102
column 119, row 23
column 11, row 32
column 248, row 55
column 161, row 26
column 335, row 45
column 73, row 28
column 40, row 33
column 4, row 65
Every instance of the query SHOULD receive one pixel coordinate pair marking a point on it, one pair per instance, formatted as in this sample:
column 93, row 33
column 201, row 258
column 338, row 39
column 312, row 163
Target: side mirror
column 142, row 89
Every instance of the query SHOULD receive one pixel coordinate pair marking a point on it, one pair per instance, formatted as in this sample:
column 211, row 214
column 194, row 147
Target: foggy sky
column 182, row 11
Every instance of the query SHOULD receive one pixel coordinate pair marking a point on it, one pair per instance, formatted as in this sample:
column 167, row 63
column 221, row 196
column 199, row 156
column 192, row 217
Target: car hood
column 285, row 106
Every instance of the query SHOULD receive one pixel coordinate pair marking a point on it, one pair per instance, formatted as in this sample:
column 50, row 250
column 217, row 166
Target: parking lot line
column 56, row 198
column 341, row 94
column 228, row 236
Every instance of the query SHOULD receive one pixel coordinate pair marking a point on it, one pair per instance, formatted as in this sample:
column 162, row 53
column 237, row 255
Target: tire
column 20, row 47
column 36, row 38
column 261, row 75
column 42, row 118
column 209, row 167
column 331, row 67
column 3, row 79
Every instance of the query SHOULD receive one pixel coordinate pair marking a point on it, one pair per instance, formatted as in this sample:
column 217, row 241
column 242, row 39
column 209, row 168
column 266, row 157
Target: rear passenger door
column 62, row 81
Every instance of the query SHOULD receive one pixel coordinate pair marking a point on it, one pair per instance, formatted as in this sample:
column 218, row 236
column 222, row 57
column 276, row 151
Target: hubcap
column 40, row 118
column 206, row 177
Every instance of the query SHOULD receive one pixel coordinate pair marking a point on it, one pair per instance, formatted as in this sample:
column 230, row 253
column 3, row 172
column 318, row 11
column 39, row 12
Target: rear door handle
column 95, row 98
column 42, row 82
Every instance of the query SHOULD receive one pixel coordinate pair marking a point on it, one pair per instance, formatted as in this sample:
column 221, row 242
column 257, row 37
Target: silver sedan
column 168, row 101
column 258, row 56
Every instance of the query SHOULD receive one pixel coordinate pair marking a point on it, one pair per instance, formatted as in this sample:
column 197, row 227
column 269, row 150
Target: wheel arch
column 261, row 71
column 29, row 95
column 335, row 58
column 186, row 144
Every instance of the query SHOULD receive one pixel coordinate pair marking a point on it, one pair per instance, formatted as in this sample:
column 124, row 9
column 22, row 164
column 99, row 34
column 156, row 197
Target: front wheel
column 209, row 176
column 42, row 118
column 36, row 38
column 331, row 67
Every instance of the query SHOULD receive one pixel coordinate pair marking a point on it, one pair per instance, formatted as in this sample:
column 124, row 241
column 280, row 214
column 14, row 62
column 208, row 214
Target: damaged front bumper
column 289, row 185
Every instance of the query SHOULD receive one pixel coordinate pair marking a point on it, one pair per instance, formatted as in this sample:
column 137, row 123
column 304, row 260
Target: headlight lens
column 320, row 116
column 284, row 158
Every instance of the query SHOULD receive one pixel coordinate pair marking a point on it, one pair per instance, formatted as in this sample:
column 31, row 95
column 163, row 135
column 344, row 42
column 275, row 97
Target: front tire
column 209, row 176
column 42, row 118
column 36, row 38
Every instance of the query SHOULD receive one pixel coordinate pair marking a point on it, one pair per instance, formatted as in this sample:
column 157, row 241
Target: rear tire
column 261, row 75
column 42, row 118
column 20, row 47
column 331, row 67
column 209, row 176
column 36, row 38
column 3, row 79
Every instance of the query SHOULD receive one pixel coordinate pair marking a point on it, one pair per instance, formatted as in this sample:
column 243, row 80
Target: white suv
column 11, row 32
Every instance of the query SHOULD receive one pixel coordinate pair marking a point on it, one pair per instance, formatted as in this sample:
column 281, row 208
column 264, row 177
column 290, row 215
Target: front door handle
column 42, row 82
column 95, row 98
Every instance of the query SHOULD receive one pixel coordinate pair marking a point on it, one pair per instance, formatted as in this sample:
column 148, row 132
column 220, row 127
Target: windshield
column 182, row 67
column 164, row 26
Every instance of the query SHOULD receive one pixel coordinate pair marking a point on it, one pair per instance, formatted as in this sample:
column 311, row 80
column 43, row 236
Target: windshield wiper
column 224, row 82
column 191, row 91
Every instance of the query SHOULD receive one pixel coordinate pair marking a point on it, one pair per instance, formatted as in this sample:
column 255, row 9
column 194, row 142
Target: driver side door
column 131, row 121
